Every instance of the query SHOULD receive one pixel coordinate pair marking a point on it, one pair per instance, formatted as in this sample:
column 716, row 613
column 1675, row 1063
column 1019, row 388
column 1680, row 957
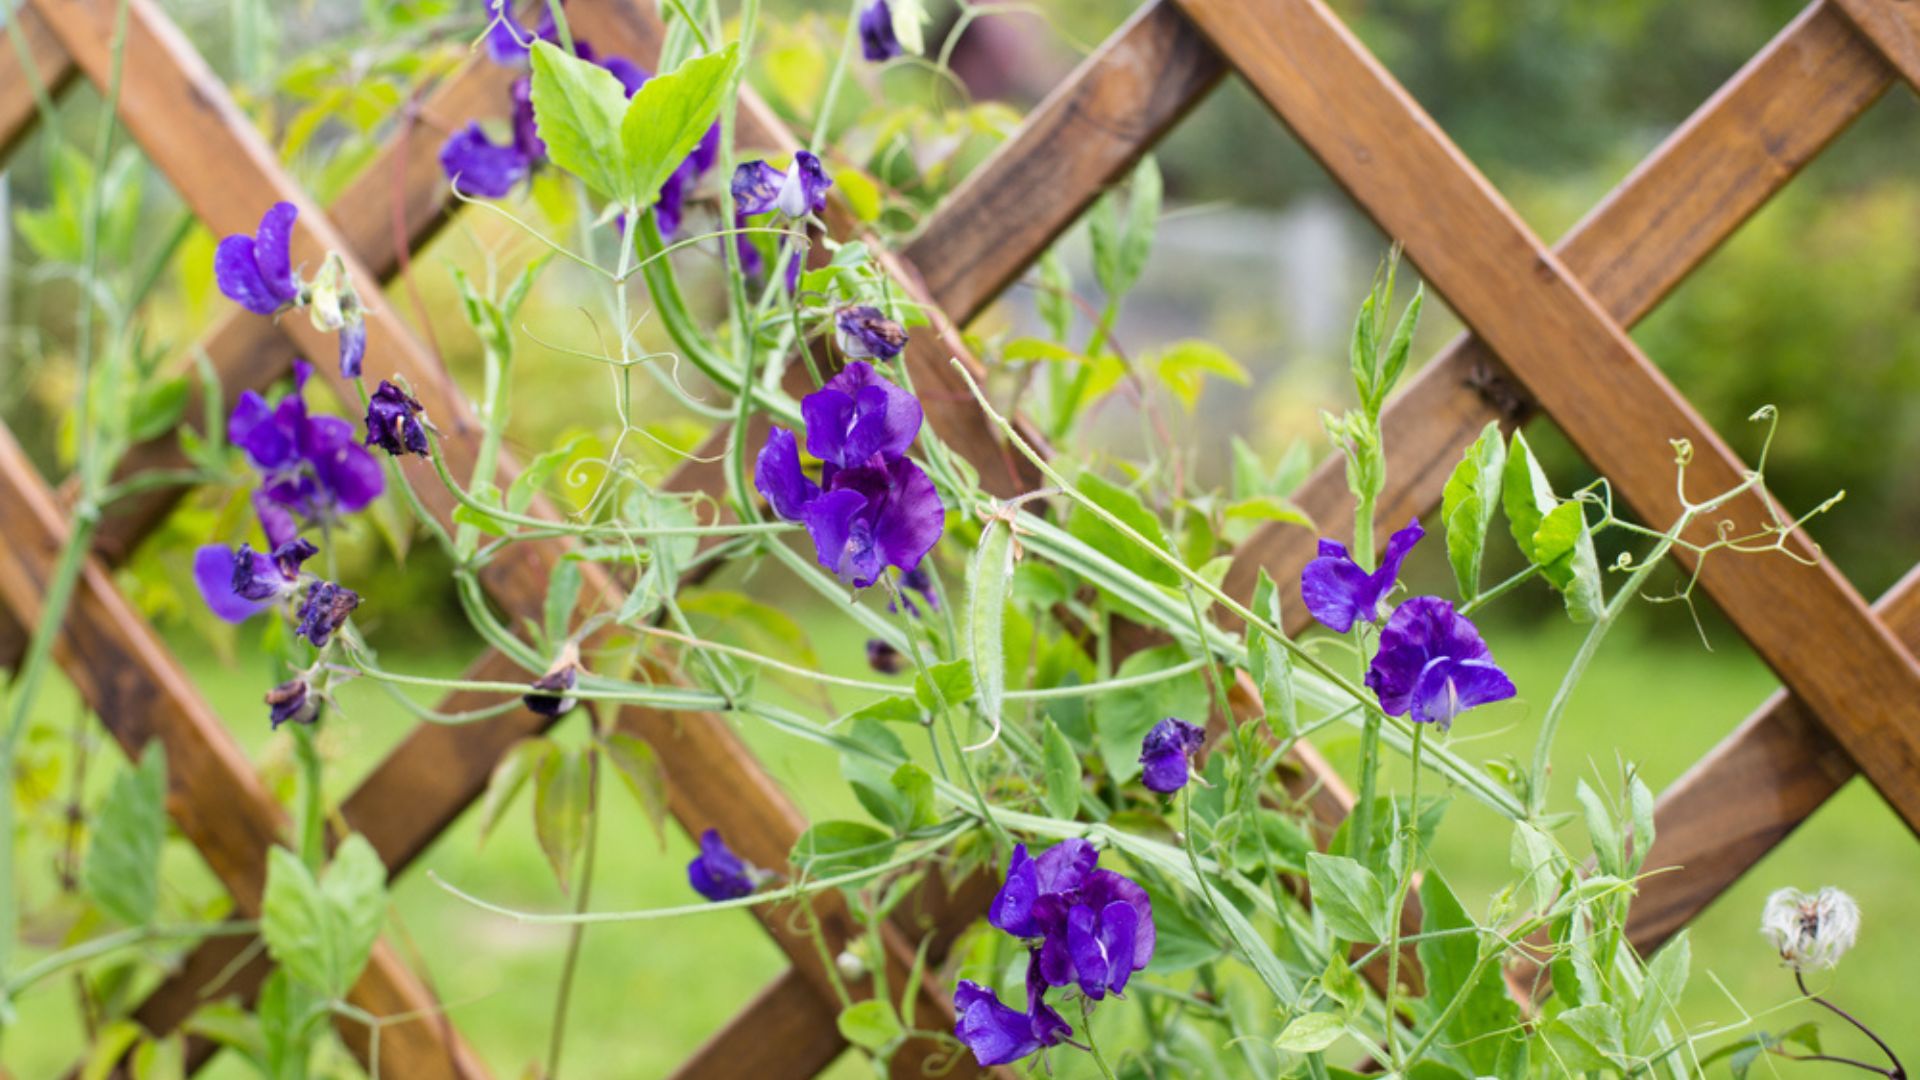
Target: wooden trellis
column 1547, row 336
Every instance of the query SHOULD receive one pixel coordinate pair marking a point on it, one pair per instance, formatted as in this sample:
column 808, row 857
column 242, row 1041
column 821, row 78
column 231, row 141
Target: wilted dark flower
column 326, row 608
column 214, row 567
column 884, row 658
column 917, row 580
column 260, row 577
column 759, row 188
column 393, row 421
column 873, row 508
column 256, row 271
column 562, row 677
column 1337, row 591
column 1811, row 933
column 877, row 40
column 1164, row 753
column 717, row 873
column 1433, row 665
column 293, row 702
column 865, row 333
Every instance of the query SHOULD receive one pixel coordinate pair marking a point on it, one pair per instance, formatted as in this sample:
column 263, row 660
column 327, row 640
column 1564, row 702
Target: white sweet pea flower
column 1811, row 933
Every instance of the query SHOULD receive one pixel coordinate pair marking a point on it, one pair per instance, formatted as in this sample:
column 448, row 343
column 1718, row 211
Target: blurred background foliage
column 1811, row 306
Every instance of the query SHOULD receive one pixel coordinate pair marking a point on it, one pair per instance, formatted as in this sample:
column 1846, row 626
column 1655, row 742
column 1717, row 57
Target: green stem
column 1410, row 831
column 120, row 939
column 577, row 936
column 1360, row 831
column 823, row 123
column 313, row 820
column 1093, row 1048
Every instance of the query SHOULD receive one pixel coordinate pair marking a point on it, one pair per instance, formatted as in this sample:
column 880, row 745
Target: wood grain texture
column 49, row 66
column 1718, row 168
column 1559, row 342
column 1894, row 28
column 126, row 676
column 1092, row 129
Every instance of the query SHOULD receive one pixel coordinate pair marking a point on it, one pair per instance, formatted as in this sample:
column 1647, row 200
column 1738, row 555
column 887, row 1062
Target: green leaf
column 838, row 847
column 1587, row 1038
column 869, row 1024
column 640, row 768
column 560, row 807
column 1053, row 300
column 1311, row 1033
column 951, row 682
column 1348, row 897
column 579, row 110
column 563, row 595
column 1120, row 251
column 1538, row 862
column 1343, row 985
column 510, row 774
column 297, row 925
column 1641, row 799
column 895, row 710
column 1181, row 943
column 1449, row 962
column 1660, row 992
column 1549, row 533
column 1399, row 348
column 989, row 576
column 1062, row 773
column 157, row 408
column 1268, row 508
column 666, row 118
column 123, row 863
column 1472, row 495
column 355, row 888
column 1094, row 532
column 1184, row 366
column 1271, row 663
column 290, row 1019
column 1028, row 350
column 1121, row 718
column 1602, row 828
column 540, row 470
column 914, row 786
column 110, row 1046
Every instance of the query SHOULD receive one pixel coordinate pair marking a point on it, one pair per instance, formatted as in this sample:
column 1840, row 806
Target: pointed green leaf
column 355, row 888
column 563, row 595
column 1062, row 773
column 123, row 863
column 560, row 807
column 1348, row 897
column 640, row 768
column 1471, row 496
column 951, row 682
column 667, row 117
column 869, row 1024
column 510, row 774
column 1122, row 718
column 579, row 109
column 1311, row 1033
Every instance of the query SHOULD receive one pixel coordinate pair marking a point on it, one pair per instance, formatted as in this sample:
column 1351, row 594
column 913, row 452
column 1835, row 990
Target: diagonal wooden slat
column 1611, row 401
column 1894, row 28
column 124, row 674
column 48, row 67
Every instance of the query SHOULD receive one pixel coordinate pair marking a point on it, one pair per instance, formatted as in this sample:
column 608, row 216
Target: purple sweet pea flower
column 759, row 188
column 393, row 421
column 214, row 568
column 256, row 271
column 865, row 333
column 877, row 41
column 1337, row 591
column 998, row 1033
column 858, row 414
column 310, row 465
column 717, row 873
column 873, row 507
column 325, row 610
column 1164, row 753
column 1101, row 944
column 292, row 703
column 260, row 577
column 479, row 166
column 1433, row 665
column 1073, row 908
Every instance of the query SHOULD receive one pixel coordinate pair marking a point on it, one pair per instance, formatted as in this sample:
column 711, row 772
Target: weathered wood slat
column 51, row 68
column 1894, row 28
column 124, row 674
column 1617, row 408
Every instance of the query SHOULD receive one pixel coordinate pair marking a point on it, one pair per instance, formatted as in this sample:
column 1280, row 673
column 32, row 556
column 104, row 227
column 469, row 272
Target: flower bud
column 293, row 702
column 884, row 658
column 1811, row 933
column 563, row 676
column 852, row 967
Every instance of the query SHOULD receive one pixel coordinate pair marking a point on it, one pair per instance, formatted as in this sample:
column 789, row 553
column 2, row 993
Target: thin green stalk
column 1360, row 831
column 823, row 123
column 577, row 936
column 1093, row 1048
column 1410, row 831
column 313, row 820
column 943, row 716
column 95, row 948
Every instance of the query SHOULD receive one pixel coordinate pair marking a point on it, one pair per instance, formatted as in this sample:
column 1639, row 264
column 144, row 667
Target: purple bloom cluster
column 1085, row 926
column 717, row 873
column 483, row 167
column 256, row 272
column 1432, row 664
column 872, row 508
column 1164, row 753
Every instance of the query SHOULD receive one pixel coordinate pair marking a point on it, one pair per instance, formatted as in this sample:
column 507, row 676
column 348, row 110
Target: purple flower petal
column 717, row 873
column 756, row 185
column 1433, row 663
column 996, row 1032
column 477, row 166
column 631, row 75
column 213, row 572
column 1447, row 687
column 913, row 518
column 343, row 467
column 353, row 346
column 830, row 521
column 1012, row 907
column 508, row 39
column 777, row 475
column 1164, row 753
column 877, row 41
column 273, row 251
column 1338, row 592
column 239, row 278
column 1101, row 944
column 393, row 421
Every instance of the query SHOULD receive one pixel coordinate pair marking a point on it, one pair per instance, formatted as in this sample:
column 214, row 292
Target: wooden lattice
column 1547, row 336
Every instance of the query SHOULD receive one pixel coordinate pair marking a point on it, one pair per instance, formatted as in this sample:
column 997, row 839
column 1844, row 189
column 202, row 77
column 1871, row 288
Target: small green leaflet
column 1120, row 251
column 624, row 149
column 1270, row 663
column 123, row 863
column 951, row 682
column 563, row 595
column 1348, row 897
column 869, row 1024
column 509, row 776
column 989, row 576
column 322, row 931
column 1311, row 1033
column 1062, row 772
column 637, row 764
column 560, row 807
column 1466, row 508
column 1184, row 366
column 1551, row 533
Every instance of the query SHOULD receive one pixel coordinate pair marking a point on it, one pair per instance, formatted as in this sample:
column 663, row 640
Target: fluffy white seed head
column 1811, row 933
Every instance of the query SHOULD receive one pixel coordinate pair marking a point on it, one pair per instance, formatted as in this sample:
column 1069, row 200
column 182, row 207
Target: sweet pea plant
column 1063, row 693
